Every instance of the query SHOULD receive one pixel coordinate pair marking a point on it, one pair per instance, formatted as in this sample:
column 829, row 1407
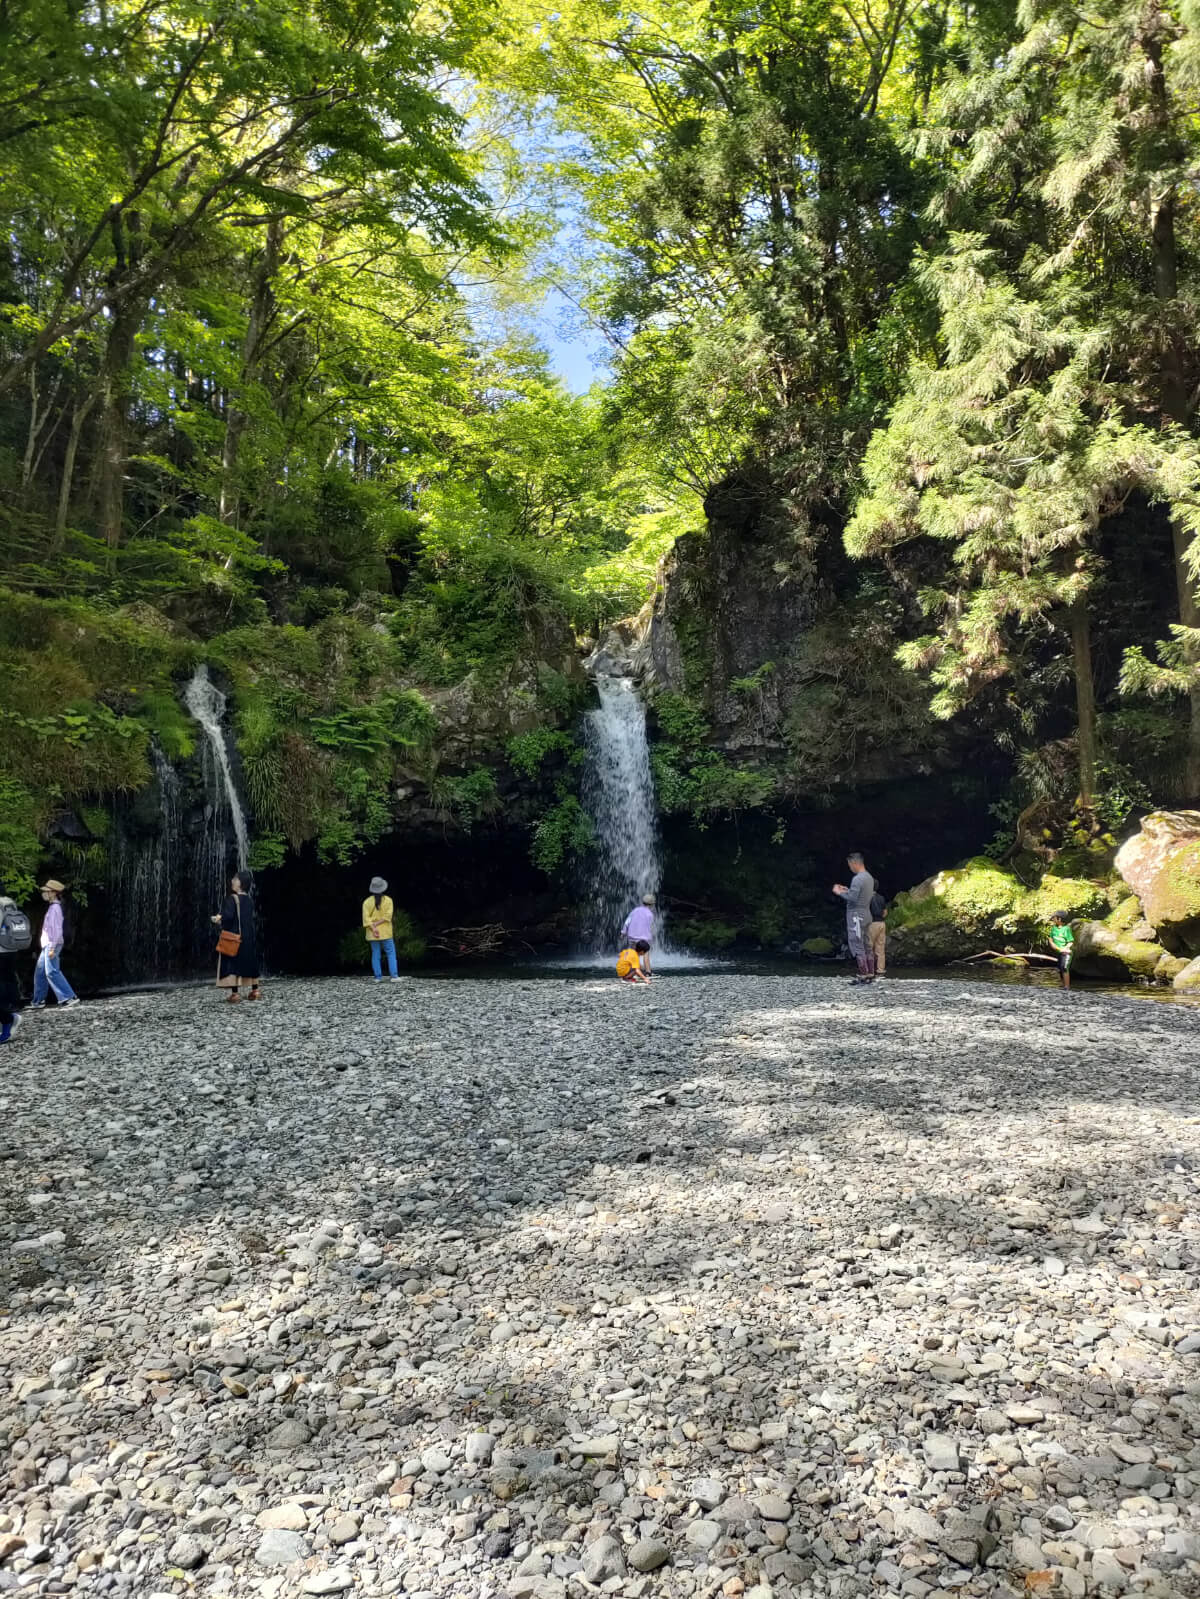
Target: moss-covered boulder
column 815, row 948
column 1102, row 950
column 983, row 905
column 1169, row 968
column 1161, row 863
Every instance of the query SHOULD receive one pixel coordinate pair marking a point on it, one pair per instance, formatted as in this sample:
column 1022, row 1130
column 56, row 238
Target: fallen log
column 1016, row 957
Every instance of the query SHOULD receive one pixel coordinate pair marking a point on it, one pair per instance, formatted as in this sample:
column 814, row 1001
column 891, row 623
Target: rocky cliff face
column 789, row 649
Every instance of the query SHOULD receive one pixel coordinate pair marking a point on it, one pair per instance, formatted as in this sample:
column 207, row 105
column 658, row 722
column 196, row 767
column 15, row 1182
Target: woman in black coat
column 239, row 971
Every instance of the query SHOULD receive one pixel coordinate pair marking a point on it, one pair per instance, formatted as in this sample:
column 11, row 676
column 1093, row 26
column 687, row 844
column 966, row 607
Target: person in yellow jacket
column 630, row 967
column 377, row 924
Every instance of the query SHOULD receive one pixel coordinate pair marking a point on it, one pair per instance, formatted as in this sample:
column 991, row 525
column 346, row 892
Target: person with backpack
column 877, row 932
column 16, row 936
column 48, row 974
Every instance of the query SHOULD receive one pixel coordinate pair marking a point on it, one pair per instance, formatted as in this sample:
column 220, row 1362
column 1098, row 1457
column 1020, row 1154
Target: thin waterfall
column 206, row 704
column 618, row 794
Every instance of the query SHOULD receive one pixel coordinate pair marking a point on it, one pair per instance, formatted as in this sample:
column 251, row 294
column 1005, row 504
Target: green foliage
column 707, row 934
column 20, row 846
column 527, row 752
column 354, row 952
column 465, row 799
column 562, row 835
column 693, row 778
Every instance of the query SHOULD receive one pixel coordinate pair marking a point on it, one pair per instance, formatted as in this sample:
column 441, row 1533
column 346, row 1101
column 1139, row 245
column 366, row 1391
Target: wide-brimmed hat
column 55, row 886
column 378, row 886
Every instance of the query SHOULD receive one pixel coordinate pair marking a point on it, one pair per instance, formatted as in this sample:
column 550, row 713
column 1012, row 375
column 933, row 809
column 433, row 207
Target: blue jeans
column 48, row 974
column 377, row 945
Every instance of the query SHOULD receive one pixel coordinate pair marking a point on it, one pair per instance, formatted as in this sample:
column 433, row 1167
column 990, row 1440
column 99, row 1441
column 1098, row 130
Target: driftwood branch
column 1019, row 957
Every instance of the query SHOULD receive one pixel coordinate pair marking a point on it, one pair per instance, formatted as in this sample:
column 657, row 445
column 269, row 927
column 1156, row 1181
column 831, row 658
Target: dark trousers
column 10, row 989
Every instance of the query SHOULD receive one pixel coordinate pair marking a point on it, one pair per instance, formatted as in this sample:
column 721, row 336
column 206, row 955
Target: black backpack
column 16, row 930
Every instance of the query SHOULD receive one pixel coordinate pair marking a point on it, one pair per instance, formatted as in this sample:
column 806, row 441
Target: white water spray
column 206, row 704
column 618, row 793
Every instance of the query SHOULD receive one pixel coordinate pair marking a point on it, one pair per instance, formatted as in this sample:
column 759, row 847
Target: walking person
column 377, row 914
column 48, row 974
column 858, row 914
column 877, row 933
column 237, row 943
column 639, row 926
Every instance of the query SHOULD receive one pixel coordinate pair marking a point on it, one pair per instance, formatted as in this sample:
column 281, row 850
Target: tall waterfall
column 206, row 704
column 618, row 793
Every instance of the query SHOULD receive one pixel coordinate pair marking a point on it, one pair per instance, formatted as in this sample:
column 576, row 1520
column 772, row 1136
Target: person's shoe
column 38, row 1004
column 396, row 979
column 16, row 1022
column 69, row 1004
column 254, row 994
column 6, row 1033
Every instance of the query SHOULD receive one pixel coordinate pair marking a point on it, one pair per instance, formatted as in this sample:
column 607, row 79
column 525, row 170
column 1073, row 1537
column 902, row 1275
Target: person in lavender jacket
column 639, row 924
column 47, row 974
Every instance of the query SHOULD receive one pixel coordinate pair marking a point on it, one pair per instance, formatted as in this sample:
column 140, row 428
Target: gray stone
column 708, row 1492
column 941, row 1452
column 186, row 1552
column 648, row 1554
column 287, row 1518
column 344, row 1530
column 703, row 1534
column 279, row 1547
column 479, row 1448
column 435, row 1461
column 336, row 1580
column 603, row 1559
column 772, row 1507
column 291, row 1434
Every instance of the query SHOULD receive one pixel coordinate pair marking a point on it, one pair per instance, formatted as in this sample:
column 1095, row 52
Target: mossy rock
column 814, row 948
column 1072, row 896
column 1103, row 951
column 1188, row 976
column 1161, row 863
column 1126, row 915
column 1169, row 968
column 981, row 905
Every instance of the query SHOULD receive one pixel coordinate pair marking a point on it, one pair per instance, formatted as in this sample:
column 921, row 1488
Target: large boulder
column 1161, row 863
column 1105, row 951
column 1188, row 976
column 982, row 905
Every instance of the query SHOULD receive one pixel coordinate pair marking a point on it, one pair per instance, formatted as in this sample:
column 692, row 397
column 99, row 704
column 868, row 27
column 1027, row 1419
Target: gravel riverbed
column 552, row 1287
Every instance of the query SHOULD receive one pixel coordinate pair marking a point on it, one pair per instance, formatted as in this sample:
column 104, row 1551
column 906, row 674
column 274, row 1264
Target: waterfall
column 145, row 877
column 618, row 793
column 209, row 876
column 206, row 704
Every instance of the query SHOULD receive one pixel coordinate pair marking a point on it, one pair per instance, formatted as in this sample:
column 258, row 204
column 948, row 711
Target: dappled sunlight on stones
column 746, row 1284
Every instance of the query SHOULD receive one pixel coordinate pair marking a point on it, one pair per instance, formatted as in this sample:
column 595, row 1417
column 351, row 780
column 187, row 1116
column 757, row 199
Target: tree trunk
column 261, row 315
column 116, row 388
column 79, row 416
column 1085, row 699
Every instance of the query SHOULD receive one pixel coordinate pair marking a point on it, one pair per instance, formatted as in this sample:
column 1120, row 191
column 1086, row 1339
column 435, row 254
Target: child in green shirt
column 1063, row 940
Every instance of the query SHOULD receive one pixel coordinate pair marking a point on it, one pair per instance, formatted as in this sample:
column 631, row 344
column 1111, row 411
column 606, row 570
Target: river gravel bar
column 548, row 1287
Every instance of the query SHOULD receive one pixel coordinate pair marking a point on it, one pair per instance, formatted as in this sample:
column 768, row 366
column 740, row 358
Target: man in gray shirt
column 858, row 915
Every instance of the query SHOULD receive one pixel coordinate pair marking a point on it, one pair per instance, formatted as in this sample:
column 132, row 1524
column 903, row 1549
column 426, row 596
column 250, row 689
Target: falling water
column 618, row 793
column 222, row 808
column 145, row 879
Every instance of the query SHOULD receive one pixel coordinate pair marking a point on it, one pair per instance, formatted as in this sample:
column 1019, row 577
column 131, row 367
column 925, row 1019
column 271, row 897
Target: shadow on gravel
column 568, row 1209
